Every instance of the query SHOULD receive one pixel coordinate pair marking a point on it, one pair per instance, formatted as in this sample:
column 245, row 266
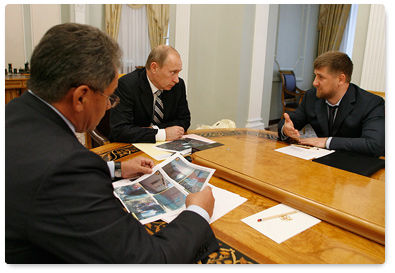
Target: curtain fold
column 136, row 6
column 158, row 21
column 331, row 23
column 112, row 18
column 133, row 37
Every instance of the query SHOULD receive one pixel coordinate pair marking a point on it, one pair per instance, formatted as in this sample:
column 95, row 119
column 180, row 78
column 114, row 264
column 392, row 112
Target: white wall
column 296, row 49
column 43, row 17
column 26, row 24
column 214, row 62
column 14, row 42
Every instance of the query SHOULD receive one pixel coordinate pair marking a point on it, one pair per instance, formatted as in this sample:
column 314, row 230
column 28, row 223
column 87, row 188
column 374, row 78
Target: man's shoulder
column 133, row 82
column 135, row 75
column 311, row 94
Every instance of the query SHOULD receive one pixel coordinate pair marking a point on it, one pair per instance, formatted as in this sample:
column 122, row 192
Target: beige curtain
column 112, row 17
column 158, row 21
column 136, row 6
column 331, row 23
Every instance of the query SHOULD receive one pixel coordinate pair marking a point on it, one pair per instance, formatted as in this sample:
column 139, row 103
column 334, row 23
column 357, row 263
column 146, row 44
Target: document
column 162, row 150
column 162, row 193
column 280, row 222
column 185, row 144
column 149, row 149
column 225, row 201
column 304, row 152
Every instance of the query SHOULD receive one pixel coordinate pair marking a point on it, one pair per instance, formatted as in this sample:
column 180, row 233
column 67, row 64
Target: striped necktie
column 158, row 109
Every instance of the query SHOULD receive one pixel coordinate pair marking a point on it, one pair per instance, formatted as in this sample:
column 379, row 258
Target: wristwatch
column 118, row 172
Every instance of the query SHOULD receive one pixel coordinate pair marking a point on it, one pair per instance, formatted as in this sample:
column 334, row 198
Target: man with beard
column 343, row 116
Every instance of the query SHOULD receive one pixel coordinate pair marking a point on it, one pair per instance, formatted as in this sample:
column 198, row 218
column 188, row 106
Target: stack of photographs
column 162, row 193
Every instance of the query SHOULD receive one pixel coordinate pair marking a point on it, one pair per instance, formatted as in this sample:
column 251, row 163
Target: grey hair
column 70, row 55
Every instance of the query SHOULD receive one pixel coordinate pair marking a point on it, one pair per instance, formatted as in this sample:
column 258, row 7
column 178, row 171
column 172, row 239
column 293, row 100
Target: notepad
column 285, row 225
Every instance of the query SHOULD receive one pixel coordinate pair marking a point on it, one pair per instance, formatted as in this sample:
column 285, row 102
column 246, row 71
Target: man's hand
column 288, row 128
column 174, row 133
column 203, row 199
column 319, row 142
column 136, row 166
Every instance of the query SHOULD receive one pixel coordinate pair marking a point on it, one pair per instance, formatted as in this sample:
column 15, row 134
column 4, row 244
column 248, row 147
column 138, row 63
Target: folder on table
column 352, row 162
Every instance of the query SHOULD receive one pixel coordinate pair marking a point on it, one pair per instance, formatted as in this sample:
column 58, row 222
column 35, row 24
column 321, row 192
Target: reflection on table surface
column 248, row 165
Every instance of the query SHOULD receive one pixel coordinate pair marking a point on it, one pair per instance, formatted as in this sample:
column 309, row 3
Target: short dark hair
column 159, row 55
column 336, row 62
column 70, row 55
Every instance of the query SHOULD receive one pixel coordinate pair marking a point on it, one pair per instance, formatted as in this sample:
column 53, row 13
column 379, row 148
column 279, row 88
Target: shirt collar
column 337, row 104
column 56, row 111
column 153, row 87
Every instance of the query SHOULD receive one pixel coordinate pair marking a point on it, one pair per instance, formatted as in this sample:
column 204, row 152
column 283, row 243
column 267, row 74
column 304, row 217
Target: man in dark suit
column 343, row 116
column 59, row 204
column 135, row 118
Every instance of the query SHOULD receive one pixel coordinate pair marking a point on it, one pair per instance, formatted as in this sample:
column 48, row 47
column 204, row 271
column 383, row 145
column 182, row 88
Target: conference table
column 351, row 207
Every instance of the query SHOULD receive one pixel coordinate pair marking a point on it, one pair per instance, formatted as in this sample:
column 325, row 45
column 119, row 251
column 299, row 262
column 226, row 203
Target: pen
column 304, row 146
column 277, row 215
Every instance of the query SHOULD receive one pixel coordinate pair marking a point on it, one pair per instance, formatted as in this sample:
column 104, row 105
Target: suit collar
column 146, row 96
column 71, row 126
column 45, row 110
column 345, row 107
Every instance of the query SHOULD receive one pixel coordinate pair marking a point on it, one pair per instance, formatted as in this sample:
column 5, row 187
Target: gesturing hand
column 289, row 129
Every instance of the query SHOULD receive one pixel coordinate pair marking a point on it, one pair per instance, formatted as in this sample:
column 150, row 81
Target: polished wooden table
column 248, row 165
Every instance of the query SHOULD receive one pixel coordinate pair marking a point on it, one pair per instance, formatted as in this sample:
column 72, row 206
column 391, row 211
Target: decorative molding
column 254, row 119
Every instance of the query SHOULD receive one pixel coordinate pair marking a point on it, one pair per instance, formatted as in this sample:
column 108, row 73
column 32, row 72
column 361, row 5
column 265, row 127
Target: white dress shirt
column 161, row 134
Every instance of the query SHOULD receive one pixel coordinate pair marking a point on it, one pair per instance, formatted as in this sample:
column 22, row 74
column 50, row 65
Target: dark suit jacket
column 359, row 125
column 136, row 108
column 60, row 207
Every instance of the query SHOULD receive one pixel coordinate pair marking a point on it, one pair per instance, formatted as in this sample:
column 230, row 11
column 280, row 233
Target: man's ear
column 154, row 66
column 80, row 97
column 342, row 78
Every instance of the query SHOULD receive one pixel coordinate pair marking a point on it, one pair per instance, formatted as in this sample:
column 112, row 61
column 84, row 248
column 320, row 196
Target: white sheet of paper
column 225, row 201
column 279, row 229
column 303, row 152
column 199, row 138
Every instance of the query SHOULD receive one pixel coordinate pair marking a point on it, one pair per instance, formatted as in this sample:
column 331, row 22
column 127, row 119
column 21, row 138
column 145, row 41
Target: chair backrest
column 288, row 82
column 104, row 124
column 378, row 93
column 99, row 136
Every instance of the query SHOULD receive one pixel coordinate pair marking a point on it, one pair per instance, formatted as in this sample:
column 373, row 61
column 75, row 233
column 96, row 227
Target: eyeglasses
column 113, row 99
